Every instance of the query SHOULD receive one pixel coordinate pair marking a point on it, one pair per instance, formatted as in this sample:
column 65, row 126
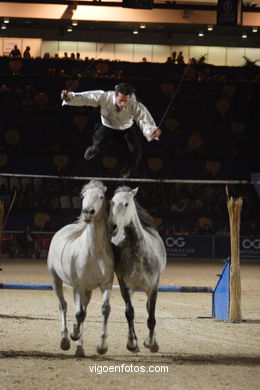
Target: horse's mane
column 78, row 226
column 146, row 219
column 93, row 184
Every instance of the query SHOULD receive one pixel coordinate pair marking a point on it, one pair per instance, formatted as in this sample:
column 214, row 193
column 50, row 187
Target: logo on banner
column 178, row 246
column 178, row 242
column 248, row 243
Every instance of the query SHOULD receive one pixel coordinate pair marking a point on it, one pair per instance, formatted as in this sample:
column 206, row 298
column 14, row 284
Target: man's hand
column 65, row 95
column 156, row 132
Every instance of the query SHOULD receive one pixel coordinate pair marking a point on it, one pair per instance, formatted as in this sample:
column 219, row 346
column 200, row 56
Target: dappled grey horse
column 140, row 258
column 80, row 254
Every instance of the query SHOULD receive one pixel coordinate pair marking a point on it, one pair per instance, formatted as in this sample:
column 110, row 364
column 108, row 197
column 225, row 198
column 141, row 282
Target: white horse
column 140, row 258
column 80, row 254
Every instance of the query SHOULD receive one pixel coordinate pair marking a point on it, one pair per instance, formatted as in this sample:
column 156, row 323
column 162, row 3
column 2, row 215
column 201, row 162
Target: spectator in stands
column 119, row 110
column 15, row 52
column 117, row 74
column 193, row 61
column 174, row 57
column 26, row 53
column 203, row 227
column 180, row 58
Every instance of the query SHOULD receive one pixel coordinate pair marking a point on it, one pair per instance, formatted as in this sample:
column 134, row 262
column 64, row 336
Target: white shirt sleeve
column 144, row 120
column 88, row 98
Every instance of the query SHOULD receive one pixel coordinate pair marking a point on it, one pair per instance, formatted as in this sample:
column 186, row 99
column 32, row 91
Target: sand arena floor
column 197, row 351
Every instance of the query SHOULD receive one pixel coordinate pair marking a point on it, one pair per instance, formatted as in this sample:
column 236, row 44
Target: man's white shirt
column 111, row 115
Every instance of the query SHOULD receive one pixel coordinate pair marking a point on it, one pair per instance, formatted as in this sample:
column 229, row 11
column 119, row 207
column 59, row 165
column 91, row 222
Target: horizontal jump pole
column 27, row 286
column 84, row 178
column 185, row 289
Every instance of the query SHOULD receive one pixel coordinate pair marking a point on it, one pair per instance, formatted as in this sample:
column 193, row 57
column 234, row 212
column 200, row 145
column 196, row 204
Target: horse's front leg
column 80, row 342
column 102, row 346
column 57, row 287
column 132, row 344
column 80, row 315
column 150, row 342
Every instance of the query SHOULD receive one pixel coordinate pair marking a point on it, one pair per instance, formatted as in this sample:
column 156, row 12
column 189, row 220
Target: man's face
column 122, row 100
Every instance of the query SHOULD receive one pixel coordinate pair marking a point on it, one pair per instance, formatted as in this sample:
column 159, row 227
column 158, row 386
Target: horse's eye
column 101, row 197
column 126, row 204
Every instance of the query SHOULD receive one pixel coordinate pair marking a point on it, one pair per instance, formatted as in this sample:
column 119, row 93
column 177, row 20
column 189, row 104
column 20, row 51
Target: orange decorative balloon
column 61, row 161
column 109, row 162
column 40, row 219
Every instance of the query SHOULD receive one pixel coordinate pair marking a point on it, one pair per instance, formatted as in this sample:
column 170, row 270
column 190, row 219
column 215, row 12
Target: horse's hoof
column 65, row 344
column 132, row 348
column 75, row 336
column 101, row 350
column 154, row 348
column 80, row 353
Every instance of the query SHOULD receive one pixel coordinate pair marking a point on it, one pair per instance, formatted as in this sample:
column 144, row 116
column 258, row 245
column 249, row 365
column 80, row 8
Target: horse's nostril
column 114, row 227
column 89, row 211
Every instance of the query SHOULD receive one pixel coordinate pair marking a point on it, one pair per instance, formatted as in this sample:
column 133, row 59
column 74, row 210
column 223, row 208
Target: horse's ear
column 135, row 190
column 105, row 188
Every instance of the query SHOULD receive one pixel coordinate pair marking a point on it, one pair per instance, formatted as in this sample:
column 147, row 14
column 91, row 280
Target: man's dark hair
column 124, row 88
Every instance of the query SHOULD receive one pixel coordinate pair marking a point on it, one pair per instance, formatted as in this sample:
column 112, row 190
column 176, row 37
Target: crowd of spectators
column 73, row 65
column 198, row 209
column 210, row 132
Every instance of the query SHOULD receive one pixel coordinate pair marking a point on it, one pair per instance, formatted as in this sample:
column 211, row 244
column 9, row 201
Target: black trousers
column 103, row 136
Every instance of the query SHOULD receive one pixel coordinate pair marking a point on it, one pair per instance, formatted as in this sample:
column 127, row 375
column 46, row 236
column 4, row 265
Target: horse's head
column 93, row 200
column 122, row 207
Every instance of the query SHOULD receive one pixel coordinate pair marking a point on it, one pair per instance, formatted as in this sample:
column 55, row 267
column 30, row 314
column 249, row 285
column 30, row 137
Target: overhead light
column 135, row 32
column 142, row 26
column 74, row 22
column 254, row 29
column 3, row 26
column 6, row 20
column 201, row 34
column 210, row 27
column 244, row 35
column 69, row 29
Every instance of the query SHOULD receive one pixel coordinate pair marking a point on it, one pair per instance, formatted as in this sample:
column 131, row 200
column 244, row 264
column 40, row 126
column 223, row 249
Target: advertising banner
column 210, row 247
column 250, row 247
column 229, row 12
column 188, row 246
